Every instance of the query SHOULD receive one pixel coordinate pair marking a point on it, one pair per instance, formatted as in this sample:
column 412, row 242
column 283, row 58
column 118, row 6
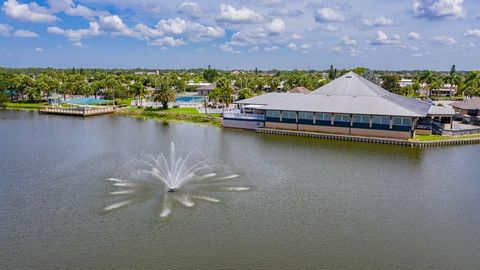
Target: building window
column 324, row 117
column 402, row 121
column 380, row 120
column 273, row 114
column 361, row 119
column 341, row 117
column 305, row 115
column 289, row 115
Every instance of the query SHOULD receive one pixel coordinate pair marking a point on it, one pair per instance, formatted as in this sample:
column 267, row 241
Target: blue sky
column 378, row 34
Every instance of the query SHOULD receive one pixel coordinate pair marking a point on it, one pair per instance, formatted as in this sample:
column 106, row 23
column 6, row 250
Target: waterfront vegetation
column 23, row 105
column 35, row 84
column 173, row 114
column 426, row 138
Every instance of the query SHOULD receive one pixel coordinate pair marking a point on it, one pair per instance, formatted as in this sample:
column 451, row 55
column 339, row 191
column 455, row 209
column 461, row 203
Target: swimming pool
column 193, row 99
column 87, row 101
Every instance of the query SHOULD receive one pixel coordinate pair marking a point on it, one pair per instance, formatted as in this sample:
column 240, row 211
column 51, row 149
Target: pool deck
column 82, row 112
column 368, row 139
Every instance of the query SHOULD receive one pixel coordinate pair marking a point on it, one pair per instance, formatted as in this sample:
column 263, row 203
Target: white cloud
column 328, row 14
column 5, row 29
column 226, row 48
column 254, row 49
column 167, row 42
column 31, row 12
column 414, row 36
column 295, row 36
column 380, row 21
column 347, row 41
column 286, row 12
column 353, row 52
column 438, row 9
column 472, row 33
column 25, row 34
column 250, row 36
column 276, row 26
column 292, row 46
column 330, row 28
column 38, row 49
column 444, row 40
column 177, row 26
column 191, row 9
column 417, row 54
column 76, row 35
column 383, row 39
column 306, row 46
column 230, row 14
column 336, row 49
column 70, row 8
column 272, row 48
column 115, row 23
column 78, row 44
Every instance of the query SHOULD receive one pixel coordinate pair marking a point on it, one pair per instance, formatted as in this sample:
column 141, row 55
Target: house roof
column 350, row 94
column 208, row 87
column 299, row 89
column 469, row 104
column 268, row 98
column 441, row 111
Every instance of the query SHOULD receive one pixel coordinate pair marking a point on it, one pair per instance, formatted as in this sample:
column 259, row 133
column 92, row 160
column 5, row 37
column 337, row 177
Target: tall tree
column 210, row 74
column 428, row 78
column 331, row 73
column 391, row 82
column 164, row 93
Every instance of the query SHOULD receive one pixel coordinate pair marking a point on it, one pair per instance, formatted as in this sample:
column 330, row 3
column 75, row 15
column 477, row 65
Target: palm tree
column 454, row 80
column 427, row 77
column 245, row 93
column 138, row 91
column 225, row 91
column 164, row 94
column 472, row 84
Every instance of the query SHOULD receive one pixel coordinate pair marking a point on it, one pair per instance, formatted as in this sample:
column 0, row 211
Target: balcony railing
column 246, row 116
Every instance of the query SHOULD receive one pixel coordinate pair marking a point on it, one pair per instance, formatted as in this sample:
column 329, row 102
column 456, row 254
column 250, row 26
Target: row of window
column 365, row 119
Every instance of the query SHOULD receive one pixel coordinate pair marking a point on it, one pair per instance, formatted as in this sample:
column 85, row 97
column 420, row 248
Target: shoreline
column 449, row 141
column 189, row 116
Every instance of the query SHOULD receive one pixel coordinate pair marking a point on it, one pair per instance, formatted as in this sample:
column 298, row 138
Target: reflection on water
column 170, row 180
column 318, row 204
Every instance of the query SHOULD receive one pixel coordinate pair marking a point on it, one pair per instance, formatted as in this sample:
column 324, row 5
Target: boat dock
column 79, row 111
column 368, row 139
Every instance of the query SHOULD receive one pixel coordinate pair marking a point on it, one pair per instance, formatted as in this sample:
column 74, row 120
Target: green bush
column 4, row 97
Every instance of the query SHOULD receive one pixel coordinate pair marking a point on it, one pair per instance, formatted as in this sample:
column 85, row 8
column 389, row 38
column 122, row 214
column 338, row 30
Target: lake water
column 313, row 203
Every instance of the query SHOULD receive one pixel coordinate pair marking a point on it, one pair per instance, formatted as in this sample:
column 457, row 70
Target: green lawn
column 426, row 138
column 174, row 114
column 24, row 105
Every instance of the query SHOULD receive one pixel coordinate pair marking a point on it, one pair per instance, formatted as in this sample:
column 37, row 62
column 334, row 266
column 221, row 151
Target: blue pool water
column 87, row 101
column 190, row 99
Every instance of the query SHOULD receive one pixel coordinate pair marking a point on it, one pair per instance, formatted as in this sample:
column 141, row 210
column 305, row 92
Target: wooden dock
column 79, row 111
column 368, row 139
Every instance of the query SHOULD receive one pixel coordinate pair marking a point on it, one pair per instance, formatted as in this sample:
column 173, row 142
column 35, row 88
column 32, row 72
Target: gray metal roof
column 269, row 98
column 299, row 89
column 441, row 111
column 469, row 104
column 352, row 94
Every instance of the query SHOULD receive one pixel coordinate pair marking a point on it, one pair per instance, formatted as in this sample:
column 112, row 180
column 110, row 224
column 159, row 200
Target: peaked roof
column 351, row 84
column 299, row 89
column 208, row 87
column 353, row 94
column 268, row 98
column 469, row 104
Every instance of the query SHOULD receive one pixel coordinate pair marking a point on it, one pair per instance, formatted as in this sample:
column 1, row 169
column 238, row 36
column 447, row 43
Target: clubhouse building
column 349, row 105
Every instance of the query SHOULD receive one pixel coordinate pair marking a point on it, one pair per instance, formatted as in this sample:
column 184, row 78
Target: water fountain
column 172, row 180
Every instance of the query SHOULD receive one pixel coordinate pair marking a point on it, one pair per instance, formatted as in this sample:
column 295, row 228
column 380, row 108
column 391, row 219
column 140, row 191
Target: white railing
column 244, row 116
